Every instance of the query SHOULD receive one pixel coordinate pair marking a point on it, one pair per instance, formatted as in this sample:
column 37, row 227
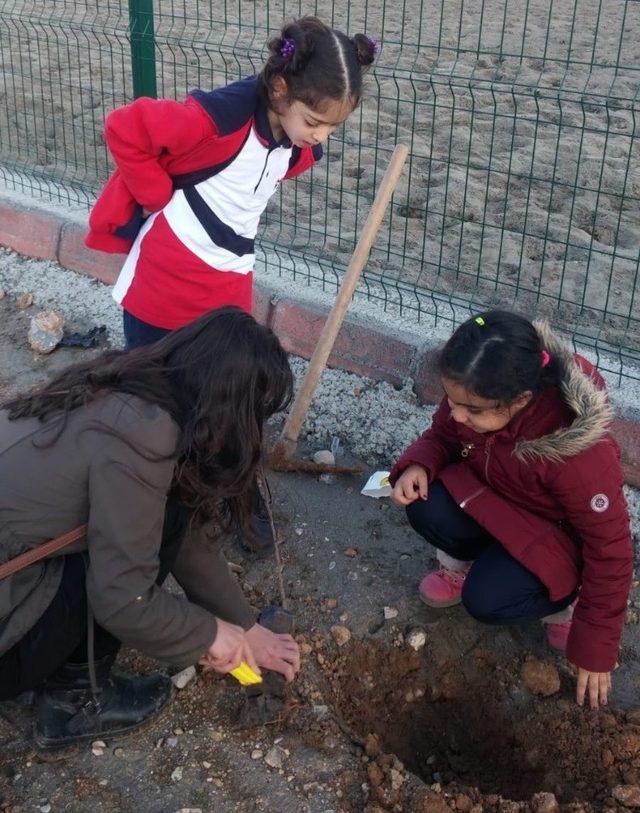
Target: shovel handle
column 334, row 321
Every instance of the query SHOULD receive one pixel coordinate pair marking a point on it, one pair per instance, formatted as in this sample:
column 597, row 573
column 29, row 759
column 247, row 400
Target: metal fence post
column 143, row 57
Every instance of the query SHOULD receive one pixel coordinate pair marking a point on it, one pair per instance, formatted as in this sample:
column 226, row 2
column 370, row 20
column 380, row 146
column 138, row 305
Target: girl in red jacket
column 194, row 177
column 518, row 485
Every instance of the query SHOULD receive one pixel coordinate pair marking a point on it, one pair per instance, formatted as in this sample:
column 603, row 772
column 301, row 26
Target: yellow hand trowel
column 245, row 675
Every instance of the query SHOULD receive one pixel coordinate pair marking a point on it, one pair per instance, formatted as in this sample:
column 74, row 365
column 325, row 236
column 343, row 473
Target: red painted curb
column 30, row 231
column 74, row 255
column 357, row 349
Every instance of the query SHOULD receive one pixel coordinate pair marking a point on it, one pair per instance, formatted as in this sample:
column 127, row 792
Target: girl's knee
column 477, row 603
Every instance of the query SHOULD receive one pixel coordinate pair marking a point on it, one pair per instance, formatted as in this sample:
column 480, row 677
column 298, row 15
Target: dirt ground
column 372, row 724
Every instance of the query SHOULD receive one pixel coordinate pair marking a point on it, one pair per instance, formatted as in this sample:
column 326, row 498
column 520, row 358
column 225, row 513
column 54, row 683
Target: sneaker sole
column 430, row 602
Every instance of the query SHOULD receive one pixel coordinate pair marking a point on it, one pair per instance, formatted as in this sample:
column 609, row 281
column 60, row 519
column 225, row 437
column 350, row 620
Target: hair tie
column 288, row 48
column 546, row 358
column 374, row 45
column 479, row 321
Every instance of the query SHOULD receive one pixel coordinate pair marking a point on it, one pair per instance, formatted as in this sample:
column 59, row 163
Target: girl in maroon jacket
column 518, row 485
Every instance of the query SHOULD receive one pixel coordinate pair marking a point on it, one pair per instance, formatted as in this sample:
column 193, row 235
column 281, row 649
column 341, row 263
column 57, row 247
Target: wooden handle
column 334, row 321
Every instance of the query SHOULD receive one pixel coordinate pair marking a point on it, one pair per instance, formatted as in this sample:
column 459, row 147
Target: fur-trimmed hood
column 583, row 394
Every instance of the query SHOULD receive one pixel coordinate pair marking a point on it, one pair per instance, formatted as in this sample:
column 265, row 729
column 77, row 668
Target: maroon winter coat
column 548, row 487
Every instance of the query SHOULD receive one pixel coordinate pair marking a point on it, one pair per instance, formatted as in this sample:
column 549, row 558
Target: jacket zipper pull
column 466, row 449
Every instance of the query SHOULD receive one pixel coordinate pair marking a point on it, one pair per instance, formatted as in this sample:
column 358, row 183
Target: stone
column 257, row 754
column 417, row 639
column 2, row 293
column 330, row 603
column 372, row 745
column 25, row 301
column 275, row 757
column 431, row 802
column 324, row 457
column 183, row 678
column 46, row 331
column 351, row 552
column 389, row 613
column 98, row 744
column 176, row 775
column 541, row 677
column 341, row 635
column 627, row 795
column 171, row 742
column 97, row 752
column 463, row 803
column 544, row 803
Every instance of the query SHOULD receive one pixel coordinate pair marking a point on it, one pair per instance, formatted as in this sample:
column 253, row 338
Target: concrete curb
column 370, row 349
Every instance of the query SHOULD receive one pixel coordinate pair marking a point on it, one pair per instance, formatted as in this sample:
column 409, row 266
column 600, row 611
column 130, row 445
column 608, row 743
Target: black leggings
column 60, row 634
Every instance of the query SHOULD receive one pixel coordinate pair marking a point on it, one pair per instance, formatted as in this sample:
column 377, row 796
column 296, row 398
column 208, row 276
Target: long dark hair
column 325, row 63
column 219, row 378
column 497, row 355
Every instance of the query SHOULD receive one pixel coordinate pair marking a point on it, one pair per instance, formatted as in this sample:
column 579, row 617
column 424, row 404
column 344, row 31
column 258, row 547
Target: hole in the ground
column 475, row 726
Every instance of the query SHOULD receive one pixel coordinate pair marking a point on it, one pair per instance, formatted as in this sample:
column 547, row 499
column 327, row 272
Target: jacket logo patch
column 599, row 503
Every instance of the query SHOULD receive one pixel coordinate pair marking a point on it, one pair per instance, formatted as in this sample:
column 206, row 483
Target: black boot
column 259, row 538
column 67, row 710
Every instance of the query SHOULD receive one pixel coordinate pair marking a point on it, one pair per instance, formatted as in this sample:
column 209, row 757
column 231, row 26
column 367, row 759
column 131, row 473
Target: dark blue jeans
column 498, row 589
column 138, row 333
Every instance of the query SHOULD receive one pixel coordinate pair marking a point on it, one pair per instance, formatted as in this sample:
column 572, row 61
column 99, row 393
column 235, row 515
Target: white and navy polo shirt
column 197, row 253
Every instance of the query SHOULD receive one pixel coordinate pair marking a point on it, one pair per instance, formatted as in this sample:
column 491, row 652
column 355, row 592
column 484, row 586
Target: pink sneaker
column 443, row 588
column 558, row 634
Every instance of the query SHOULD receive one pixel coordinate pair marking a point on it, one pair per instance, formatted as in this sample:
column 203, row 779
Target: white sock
column 449, row 563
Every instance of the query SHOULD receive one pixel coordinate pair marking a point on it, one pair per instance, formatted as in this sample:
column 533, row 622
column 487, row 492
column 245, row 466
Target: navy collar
column 263, row 127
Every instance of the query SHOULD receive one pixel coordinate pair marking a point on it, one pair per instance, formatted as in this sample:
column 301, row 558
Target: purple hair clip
column 288, row 47
column 374, row 45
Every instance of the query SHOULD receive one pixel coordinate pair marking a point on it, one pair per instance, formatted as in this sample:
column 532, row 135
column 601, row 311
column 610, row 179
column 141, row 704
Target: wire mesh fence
column 522, row 188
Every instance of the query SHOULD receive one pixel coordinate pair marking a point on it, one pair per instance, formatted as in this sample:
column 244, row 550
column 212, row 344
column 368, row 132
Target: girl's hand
column 274, row 651
column 412, row 484
column 228, row 650
column 598, row 685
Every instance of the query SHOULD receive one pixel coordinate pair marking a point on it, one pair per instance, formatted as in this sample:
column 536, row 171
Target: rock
column 216, row 736
column 171, row 742
column 97, row 752
column 627, row 795
column 2, row 293
column 327, row 479
column 541, row 677
column 633, row 716
column 275, row 757
column 325, row 457
column 176, row 775
column 46, row 331
column 430, row 802
column 341, row 635
column 389, row 613
column 351, row 552
column 372, row 745
column 257, row 754
column 626, row 745
column 544, row 803
column 183, row 678
column 189, row 810
column 397, row 779
column 98, row 744
column 417, row 639
column 25, row 301
column 607, row 757
column 463, row 803
column 330, row 603
column 178, row 732
column 118, row 752
column 45, row 808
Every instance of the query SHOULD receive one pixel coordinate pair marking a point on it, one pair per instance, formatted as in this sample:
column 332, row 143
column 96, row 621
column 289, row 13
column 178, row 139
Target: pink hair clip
column 546, row 358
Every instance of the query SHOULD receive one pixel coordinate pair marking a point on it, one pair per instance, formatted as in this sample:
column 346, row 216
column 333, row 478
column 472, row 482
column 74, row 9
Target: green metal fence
column 523, row 185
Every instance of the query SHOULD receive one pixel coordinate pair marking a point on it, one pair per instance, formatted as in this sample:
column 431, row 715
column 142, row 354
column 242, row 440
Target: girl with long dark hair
column 156, row 450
